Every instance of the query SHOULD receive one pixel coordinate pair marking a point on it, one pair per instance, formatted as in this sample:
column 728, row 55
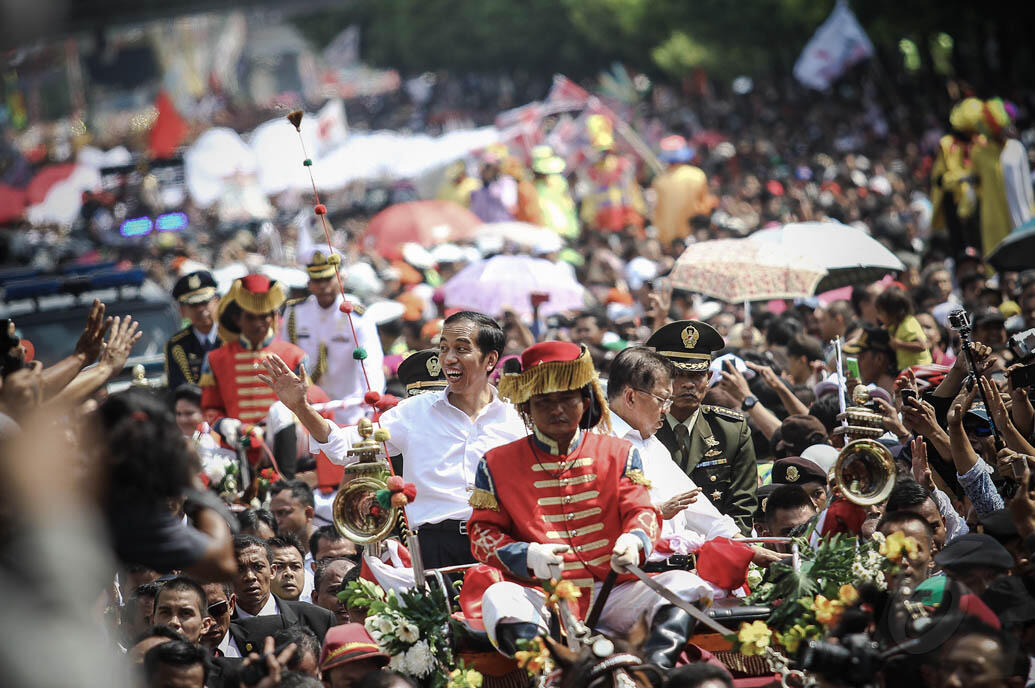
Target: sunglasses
column 218, row 608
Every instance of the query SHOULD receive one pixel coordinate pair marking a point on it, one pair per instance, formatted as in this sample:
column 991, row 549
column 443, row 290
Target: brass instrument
column 356, row 512
column 865, row 470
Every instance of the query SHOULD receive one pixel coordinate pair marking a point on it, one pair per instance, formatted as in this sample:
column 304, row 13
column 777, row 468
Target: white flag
column 837, row 44
column 331, row 126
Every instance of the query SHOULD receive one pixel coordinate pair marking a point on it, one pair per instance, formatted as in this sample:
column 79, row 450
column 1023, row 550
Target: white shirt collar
column 228, row 646
column 268, row 609
column 205, row 339
column 443, row 398
column 622, row 429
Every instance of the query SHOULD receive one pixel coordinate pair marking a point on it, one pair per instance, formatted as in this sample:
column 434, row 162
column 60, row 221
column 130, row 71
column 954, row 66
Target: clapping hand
column 124, row 334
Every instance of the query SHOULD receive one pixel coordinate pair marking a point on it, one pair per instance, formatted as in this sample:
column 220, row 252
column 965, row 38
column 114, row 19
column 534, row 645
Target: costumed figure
column 566, row 503
column 230, row 384
column 953, row 196
column 682, row 191
column 556, row 207
column 1004, row 176
column 615, row 200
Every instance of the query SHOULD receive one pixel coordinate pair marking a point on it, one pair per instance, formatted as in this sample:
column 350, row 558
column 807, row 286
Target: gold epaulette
column 207, row 380
column 637, row 476
column 180, row 335
column 723, row 411
column 483, row 499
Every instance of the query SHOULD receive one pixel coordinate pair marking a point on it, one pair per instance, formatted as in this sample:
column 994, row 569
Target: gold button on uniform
column 712, row 478
column 716, row 495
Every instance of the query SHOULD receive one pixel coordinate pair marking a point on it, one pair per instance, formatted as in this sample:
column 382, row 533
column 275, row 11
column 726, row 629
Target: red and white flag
column 565, row 94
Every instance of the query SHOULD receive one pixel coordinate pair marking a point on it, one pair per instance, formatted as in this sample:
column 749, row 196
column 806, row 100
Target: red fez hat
column 349, row 643
column 549, row 352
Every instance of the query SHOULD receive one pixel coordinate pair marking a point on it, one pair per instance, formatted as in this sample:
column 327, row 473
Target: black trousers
column 442, row 544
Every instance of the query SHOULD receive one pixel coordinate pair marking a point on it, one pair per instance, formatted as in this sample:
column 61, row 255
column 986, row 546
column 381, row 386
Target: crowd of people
column 648, row 424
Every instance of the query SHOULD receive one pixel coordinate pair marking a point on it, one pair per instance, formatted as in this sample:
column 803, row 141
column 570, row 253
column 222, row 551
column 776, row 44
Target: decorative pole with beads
column 359, row 354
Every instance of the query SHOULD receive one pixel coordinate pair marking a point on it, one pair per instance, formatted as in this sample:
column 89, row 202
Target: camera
column 959, row 320
column 1022, row 345
column 855, row 661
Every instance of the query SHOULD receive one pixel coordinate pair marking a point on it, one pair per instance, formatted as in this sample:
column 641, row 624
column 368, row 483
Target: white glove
column 541, row 557
column 626, row 551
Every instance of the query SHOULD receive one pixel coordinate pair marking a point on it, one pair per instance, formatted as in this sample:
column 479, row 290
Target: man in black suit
column 260, row 613
column 185, row 350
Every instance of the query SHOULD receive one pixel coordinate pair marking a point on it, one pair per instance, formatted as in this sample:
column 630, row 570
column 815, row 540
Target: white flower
column 407, row 631
column 385, row 624
column 878, row 537
column 419, row 660
column 754, row 577
column 398, row 664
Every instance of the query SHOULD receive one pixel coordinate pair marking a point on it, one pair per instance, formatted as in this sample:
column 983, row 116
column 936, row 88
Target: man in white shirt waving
column 639, row 392
column 441, row 436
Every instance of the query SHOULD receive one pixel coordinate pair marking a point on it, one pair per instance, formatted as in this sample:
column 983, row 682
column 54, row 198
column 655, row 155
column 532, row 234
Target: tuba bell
column 356, row 512
column 865, row 470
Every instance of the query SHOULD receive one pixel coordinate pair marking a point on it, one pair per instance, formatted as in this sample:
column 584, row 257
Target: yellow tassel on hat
column 547, row 378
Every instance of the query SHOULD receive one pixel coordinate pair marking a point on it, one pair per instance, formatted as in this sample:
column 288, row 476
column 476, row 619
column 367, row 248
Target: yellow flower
column 754, row 637
column 827, row 611
column 792, row 639
column 898, row 544
column 847, row 594
column 565, row 590
column 474, row 679
column 534, row 660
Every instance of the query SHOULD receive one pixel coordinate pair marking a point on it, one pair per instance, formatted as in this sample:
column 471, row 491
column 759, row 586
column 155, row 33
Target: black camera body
column 856, row 661
column 959, row 320
column 1023, row 345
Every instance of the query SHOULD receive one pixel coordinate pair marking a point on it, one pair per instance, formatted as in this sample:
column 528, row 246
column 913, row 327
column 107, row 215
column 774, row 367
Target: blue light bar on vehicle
column 117, row 278
column 31, row 289
column 171, row 222
column 73, row 284
column 138, row 226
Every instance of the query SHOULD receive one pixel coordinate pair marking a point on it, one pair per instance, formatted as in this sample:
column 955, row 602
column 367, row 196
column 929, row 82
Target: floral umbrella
column 738, row 270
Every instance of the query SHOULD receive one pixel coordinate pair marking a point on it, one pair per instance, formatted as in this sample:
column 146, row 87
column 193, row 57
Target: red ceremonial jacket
column 526, row 492
column 230, row 384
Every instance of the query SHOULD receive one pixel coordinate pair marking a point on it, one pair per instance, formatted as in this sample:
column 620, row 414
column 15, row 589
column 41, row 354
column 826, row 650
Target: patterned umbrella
column 737, row 270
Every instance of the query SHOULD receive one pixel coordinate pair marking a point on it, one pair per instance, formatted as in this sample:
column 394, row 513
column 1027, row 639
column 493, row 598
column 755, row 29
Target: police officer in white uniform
column 322, row 330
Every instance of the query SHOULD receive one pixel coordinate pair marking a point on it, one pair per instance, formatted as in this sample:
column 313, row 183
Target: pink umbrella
column 428, row 223
column 47, row 178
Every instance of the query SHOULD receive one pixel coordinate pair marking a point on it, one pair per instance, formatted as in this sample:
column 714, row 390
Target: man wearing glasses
column 711, row 444
column 639, row 392
column 220, row 600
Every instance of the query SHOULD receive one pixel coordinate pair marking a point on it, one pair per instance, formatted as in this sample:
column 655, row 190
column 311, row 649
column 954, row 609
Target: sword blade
column 676, row 600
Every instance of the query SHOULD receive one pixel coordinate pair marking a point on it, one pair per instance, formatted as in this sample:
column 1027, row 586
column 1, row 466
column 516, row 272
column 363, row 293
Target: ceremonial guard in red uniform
column 230, row 384
column 565, row 498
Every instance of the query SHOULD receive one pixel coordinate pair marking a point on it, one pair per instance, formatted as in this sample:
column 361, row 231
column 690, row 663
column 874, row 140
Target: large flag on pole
column 838, row 43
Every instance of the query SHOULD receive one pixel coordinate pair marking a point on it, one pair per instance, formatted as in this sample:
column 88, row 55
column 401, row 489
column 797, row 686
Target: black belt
column 676, row 562
column 448, row 526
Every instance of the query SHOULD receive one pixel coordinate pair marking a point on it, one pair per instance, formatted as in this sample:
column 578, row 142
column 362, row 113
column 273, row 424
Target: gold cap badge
column 690, row 336
column 792, row 474
column 434, row 367
column 193, row 282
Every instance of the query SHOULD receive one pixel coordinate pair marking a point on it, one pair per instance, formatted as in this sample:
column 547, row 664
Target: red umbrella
column 46, row 178
column 12, row 203
column 425, row 222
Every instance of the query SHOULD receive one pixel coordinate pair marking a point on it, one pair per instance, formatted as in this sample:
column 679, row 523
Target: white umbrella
column 850, row 255
column 492, row 285
column 523, row 234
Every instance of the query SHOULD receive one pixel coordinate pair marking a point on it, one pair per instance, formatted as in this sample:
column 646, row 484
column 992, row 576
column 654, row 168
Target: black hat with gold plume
column 256, row 294
column 687, row 344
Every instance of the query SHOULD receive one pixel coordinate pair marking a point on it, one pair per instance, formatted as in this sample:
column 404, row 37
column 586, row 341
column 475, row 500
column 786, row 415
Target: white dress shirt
column 343, row 378
column 209, row 340
column 667, row 480
column 228, row 646
column 268, row 609
column 441, row 447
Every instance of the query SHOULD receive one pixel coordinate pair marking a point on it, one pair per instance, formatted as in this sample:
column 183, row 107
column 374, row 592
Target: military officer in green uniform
column 711, row 443
column 185, row 350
